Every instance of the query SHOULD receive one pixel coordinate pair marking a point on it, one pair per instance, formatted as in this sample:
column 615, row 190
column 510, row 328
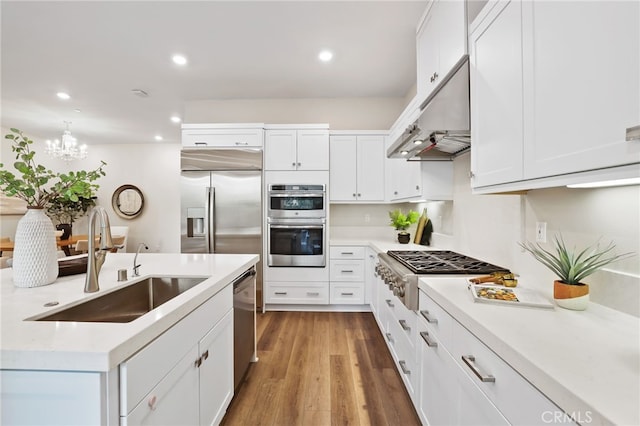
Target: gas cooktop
column 442, row 262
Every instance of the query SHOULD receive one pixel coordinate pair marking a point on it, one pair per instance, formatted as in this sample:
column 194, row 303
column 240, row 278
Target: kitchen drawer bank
column 98, row 372
column 587, row 363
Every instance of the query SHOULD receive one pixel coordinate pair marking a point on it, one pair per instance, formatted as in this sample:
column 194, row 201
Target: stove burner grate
column 442, row 262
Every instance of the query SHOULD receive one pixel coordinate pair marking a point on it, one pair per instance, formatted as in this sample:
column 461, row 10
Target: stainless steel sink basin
column 127, row 303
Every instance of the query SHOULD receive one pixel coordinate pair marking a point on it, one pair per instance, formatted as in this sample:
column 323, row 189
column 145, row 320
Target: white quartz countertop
column 584, row 361
column 78, row 346
column 379, row 245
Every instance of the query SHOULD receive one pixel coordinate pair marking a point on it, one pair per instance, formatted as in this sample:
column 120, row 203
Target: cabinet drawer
column 405, row 357
column 229, row 138
column 347, row 294
column 406, row 321
column 346, row 252
column 518, row 400
column 307, row 294
column 140, row 373
column 439, row 322
column 346, row 270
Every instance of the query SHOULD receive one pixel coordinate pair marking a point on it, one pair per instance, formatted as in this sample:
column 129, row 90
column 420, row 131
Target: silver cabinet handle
column 346, row 270
column 346, row 252
column 633, row 133
column 205, row 355
column 428, row 317
column 198, row 362
column 359, row 195
column 470, row 361
column 403, row 324
column 427, row 339
column 299, row 164
column 346, row 294
column 354, row 195
column 391, row 305
column 281, row 293
column 242, row 143
column 395, row 192
column 403, row 367
column 389, row 337
column 200, row 143
column 313, row 293
column 293, row 164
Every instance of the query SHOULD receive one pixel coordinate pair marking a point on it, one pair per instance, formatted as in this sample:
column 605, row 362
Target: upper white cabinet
column 404, row 179
column 441, row 42
column 223, row 135
column 552, row 96
column 288, row 148
column 357, row 168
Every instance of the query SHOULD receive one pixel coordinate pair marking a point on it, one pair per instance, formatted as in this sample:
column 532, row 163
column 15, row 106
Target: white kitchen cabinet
column 544, row 117
column 357, row 168
column 370, row 296
column 441, row 41
column 223, row 135
column 185, row 376
column 404, row 179
column 296, row 149
column 347, row 272
column 496, row 96
column 293, row 293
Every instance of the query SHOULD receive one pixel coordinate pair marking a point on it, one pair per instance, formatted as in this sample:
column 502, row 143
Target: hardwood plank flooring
column 321, row 368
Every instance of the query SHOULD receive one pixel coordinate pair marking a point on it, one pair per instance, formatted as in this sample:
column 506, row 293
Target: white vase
column 35, row 259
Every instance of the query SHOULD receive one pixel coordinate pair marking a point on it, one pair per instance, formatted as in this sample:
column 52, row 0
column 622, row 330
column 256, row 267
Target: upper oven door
column 296, row 201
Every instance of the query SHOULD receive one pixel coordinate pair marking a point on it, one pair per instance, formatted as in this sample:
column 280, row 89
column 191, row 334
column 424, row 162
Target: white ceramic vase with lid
column 35, row 257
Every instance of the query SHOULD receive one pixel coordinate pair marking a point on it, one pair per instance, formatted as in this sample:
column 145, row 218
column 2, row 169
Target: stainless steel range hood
column 442, row 131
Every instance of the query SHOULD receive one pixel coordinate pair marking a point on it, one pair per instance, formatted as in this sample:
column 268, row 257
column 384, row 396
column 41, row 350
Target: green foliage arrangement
column 402, row 221
column 570, row 267
column 65, row 211
column 38, row 186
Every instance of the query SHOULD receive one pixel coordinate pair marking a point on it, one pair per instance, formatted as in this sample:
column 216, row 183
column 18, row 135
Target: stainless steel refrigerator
column 221, row 203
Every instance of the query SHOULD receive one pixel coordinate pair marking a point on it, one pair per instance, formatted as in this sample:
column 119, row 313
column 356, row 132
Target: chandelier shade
column 68, row 148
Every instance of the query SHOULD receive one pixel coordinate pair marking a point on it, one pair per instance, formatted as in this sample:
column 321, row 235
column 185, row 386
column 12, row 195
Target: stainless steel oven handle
column 293, row 194
column 297, row 226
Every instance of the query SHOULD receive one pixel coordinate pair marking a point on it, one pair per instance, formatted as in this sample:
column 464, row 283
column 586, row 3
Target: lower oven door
column 296, row 242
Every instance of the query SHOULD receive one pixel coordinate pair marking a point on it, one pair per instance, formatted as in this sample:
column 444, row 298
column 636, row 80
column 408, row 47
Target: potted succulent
column 572, row 267
column 65, row 211
column 401, row 222
column 35, row 251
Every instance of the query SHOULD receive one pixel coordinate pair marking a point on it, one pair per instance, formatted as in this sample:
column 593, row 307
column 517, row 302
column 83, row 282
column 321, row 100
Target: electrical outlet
column 541, row 232
column 367, row 218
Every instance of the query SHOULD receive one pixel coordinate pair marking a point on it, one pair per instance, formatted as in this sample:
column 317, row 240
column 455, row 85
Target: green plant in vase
column 401, row 222
column 65, row 211
column 571, row 267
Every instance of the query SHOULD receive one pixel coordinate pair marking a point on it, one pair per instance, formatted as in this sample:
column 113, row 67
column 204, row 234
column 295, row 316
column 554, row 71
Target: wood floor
column 321, row 368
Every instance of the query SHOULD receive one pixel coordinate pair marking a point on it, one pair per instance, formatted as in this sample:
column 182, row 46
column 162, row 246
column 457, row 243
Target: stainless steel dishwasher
column 244, row 324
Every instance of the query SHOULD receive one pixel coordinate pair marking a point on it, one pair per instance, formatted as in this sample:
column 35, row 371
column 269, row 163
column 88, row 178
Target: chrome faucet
column 96, row 260
column 135, row 259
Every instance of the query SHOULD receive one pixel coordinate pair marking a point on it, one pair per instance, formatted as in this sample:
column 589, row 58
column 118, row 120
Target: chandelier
column 68, row 149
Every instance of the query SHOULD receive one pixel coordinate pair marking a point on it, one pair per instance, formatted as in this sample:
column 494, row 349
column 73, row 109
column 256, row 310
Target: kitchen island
column 85, row 361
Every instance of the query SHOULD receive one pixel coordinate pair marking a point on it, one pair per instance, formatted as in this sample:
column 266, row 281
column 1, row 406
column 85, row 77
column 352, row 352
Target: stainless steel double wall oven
column 296, row 225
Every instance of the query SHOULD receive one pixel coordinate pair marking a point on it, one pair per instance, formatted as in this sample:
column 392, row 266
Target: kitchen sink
column 128, row 303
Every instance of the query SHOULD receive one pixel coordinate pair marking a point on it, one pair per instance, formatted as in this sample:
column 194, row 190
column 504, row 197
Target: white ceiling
column 98, row 51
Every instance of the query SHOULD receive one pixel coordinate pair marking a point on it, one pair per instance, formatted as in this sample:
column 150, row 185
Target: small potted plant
column 35, row 251
column 64, row 212
column 401, row 222
column 572, row 267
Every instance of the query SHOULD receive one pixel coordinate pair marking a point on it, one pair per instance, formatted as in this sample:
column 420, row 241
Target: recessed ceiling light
column 418, row 142
column 179, row 60
column 325, row 55
column 176, row 119
column 63, row 95
column 76, row 110
column 158, row 138
column 404, row 152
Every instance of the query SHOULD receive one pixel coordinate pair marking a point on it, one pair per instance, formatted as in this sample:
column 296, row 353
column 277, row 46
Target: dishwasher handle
column 244, row 280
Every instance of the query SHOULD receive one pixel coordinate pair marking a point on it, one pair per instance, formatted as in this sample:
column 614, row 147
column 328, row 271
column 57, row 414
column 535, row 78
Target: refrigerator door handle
column 211, row 219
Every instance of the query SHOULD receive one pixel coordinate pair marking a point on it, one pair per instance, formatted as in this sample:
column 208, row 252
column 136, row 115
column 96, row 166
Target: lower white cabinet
column 347, row 275
column 185, row 376
column 293, row 293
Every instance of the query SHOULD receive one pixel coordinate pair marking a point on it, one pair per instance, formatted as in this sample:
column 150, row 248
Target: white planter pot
column 35, row 259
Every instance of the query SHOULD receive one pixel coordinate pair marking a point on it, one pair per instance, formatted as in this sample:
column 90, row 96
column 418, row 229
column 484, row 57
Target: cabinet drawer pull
column 346, row 294
column 389, row 337
column 403, row 367
column 242, row 143
column 428, row 317
column 391, row 305
column 347, row 252
column 313, row 293
column 470, row 361
column 347, row 270
column 200, row 143
column 152, row 402
column 403, row 324
column 281, row 293
column 633, row 133
column 205, row 355
column 427, row 339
